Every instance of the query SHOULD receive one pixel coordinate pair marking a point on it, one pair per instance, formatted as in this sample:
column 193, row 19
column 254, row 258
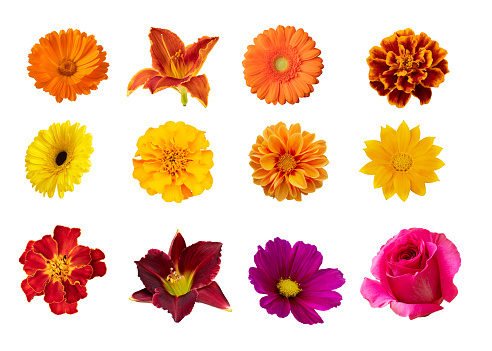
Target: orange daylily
column 175, row 66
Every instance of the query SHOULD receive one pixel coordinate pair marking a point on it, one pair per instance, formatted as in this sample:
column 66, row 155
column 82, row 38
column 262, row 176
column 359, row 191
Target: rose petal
column 413, row 310
column 374, row 292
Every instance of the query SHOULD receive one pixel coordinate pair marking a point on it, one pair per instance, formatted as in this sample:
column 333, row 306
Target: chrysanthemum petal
column 297, row 179
column 276, row 145
column 268, row 161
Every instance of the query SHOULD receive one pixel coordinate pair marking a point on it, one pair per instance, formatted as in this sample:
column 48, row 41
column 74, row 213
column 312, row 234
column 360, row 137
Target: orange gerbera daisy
column 407, row 64
column 283, row 65
column 67, row 64
column 288, row 162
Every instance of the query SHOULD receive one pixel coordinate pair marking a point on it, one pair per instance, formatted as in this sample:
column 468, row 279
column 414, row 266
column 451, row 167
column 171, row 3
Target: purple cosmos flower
column 175, row 281
column 292, row 281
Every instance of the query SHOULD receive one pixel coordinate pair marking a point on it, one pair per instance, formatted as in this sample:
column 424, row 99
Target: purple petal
column 374, row 292
column 142, row 296
column 304, row 313
column 262, row 282
column 177, row 245
column 201, row 261
column 306, row 260
column 154, row 268
column 414, row 310
column 212, row 295
column 324, row 280
column 274, row 259
column 178, row 306
column 276, row 304
column 320, row 300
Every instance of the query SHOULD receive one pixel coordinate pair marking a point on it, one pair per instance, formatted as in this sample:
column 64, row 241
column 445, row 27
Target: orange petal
column 276, row 145
column 140, row 78
column 268, row 161
column 398, row 98
column 197, row 53
column 297, row 179
column 294, row 144
column 164, row 45
column 159, row 83
column 198, row 88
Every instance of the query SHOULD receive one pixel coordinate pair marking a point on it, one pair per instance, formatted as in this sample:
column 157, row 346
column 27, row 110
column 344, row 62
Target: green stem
column 184, row 97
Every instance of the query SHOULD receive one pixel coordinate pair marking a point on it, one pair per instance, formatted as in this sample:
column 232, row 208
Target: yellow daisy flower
column 401, row 162
column 58, row 157
column 173, row 161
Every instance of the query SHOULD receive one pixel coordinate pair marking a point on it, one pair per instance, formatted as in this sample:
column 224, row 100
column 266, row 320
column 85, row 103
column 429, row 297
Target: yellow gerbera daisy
column 402, row 162
column 58, row 157
column 173, row 161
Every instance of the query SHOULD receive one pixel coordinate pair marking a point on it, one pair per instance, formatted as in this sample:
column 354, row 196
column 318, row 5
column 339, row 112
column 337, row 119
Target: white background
column 346, row 219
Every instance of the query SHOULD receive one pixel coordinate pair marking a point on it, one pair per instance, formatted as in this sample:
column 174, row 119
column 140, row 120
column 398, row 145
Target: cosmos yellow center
column 58, row 268
column 286, row 163
column 67, row 67
column 402, row 162
column 288, row 288
column 281, row 64
column 175, row 160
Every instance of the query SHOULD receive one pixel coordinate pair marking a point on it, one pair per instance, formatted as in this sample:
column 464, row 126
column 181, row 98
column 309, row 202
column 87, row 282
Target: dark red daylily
column 59, row 268
column 175, row 281
column 175, row 66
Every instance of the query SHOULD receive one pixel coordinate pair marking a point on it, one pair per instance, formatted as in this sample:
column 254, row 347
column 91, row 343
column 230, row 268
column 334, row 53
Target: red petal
column 164, row 44
column 63, row 307
column 159, row 83
column 22, row 259
column 46, row 247
column 404, row 84
column 177, row 245
column 423, row 94
column 197, row 53
column 30, row 293
column 177, row 306
column 74, row 292
column 398, row 98
column 66, row 238
column 98, row 268
column 434, row 77
column 34, row 262
column 53, row 293
column 142, row 296
column 201, row 262
column 154, row 268
column 79, row 256
column 80, row 275
column 140, row 78
column 212, row 295
column 198, row 88
column 379, row 87
column 38, row 281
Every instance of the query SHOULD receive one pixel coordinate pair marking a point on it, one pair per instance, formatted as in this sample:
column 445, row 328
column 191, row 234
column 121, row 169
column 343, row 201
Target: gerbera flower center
column 288, row 288
column 58, row 268
column 61, row 158
column 281, row 64
column 175, row 160
column 67, row 67
column 402, row 162
column 286, row 163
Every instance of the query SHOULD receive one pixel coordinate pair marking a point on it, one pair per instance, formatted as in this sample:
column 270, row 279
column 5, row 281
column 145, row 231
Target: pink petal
column 413, row 311
column 303, row 313
column 276, row 304
column 373, row 292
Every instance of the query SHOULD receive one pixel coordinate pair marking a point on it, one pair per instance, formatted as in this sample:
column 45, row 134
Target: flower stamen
column 175, row 160
column 286, row 163
column 67, row 67
column 173, row 277
column 58, row 268
column 402, row 162
column 288, row 288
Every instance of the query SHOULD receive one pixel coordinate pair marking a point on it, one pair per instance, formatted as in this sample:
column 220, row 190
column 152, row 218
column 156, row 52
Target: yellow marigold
column 173, row 161
column 67, row 64
column 288, row 162
column 407, row 64
column 401, row 162
column 282, row 65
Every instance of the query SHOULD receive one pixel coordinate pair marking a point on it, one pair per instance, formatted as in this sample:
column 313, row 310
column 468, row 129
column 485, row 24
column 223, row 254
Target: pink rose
column 415, row 270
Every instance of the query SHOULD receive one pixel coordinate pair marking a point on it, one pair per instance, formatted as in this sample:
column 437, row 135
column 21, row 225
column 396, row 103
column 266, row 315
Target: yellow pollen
column 173, row 277
column 286, row 163
column 402, row 162
column 175, row 160
column 288, row 288
column 58, row 268
column 67, row 67
column 281, row 64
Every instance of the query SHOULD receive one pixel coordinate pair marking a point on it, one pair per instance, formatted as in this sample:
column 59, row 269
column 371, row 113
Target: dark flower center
column 409, row 253
column 67, row 67
column 61, row 158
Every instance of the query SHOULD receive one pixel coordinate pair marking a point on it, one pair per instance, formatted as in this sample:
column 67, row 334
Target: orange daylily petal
column 198, row 88
column 197, row 53
column 140, row 78
column 164, row 45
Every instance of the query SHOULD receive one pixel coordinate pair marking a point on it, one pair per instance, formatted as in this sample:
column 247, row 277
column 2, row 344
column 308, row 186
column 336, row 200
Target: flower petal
column 197, row 53
column 305, row 261
column 177, row 245
column 434, row 78
column 53, row 293
column 320, row 300
column 63, row 307
column 276, row 304
column 200, row 262
column 294, row 144
column 74, row 292
column 80, row 275
column 274, row 261
column 164, row 45
column 29, row 245
column 449, row 263
column 178, row 306
column 140, row 78
column 79, row 256
column 402, row 185
column 262, row 282
column 297, row 179
column 34, row 262
column 326, row 279
column 98, row 268
column 374, row 292
column 46, row 247
column 198, row 88
column 413, row 310
column 398, row 98
column 212, row 295
column 403, row 137
column 66, row 238
column 154, row 268
column 38, row 281
column 142, row 296
column 30, row 292
column 304, row 313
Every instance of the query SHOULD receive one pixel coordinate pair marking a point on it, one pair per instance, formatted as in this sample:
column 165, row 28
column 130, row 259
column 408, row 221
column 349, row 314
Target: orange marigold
column 407, row 64
column 283, row 65
column 67, row 64
column 288, row 162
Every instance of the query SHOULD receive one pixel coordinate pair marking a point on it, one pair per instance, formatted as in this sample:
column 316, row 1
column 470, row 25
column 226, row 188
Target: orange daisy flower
column 283, row 65
column 407, row 64
column 67, row 64
column 288, row 162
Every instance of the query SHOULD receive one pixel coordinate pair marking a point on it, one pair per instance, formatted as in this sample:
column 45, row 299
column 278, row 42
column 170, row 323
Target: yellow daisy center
column 175, row 160
column 58, row 268
column 281, row 64
column 67, row 67
column 287, row 163
column 61, row 158
column 288, row 288
column 402, row 162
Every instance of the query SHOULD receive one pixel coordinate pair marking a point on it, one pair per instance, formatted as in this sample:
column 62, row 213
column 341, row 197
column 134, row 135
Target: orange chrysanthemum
column 283, row 65
column 67, row 64
column 407, row 64
column 288, row 162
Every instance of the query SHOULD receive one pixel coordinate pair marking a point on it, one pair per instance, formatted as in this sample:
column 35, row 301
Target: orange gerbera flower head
column 175, row 66
column 67, row 64
column 288, row 162
column 173, row 161
column 407, row 64
column 282, row 65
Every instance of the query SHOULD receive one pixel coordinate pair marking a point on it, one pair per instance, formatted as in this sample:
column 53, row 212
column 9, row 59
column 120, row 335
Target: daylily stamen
column 173, row 277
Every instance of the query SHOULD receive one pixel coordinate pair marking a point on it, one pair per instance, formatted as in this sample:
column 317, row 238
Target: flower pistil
column 288, row 288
